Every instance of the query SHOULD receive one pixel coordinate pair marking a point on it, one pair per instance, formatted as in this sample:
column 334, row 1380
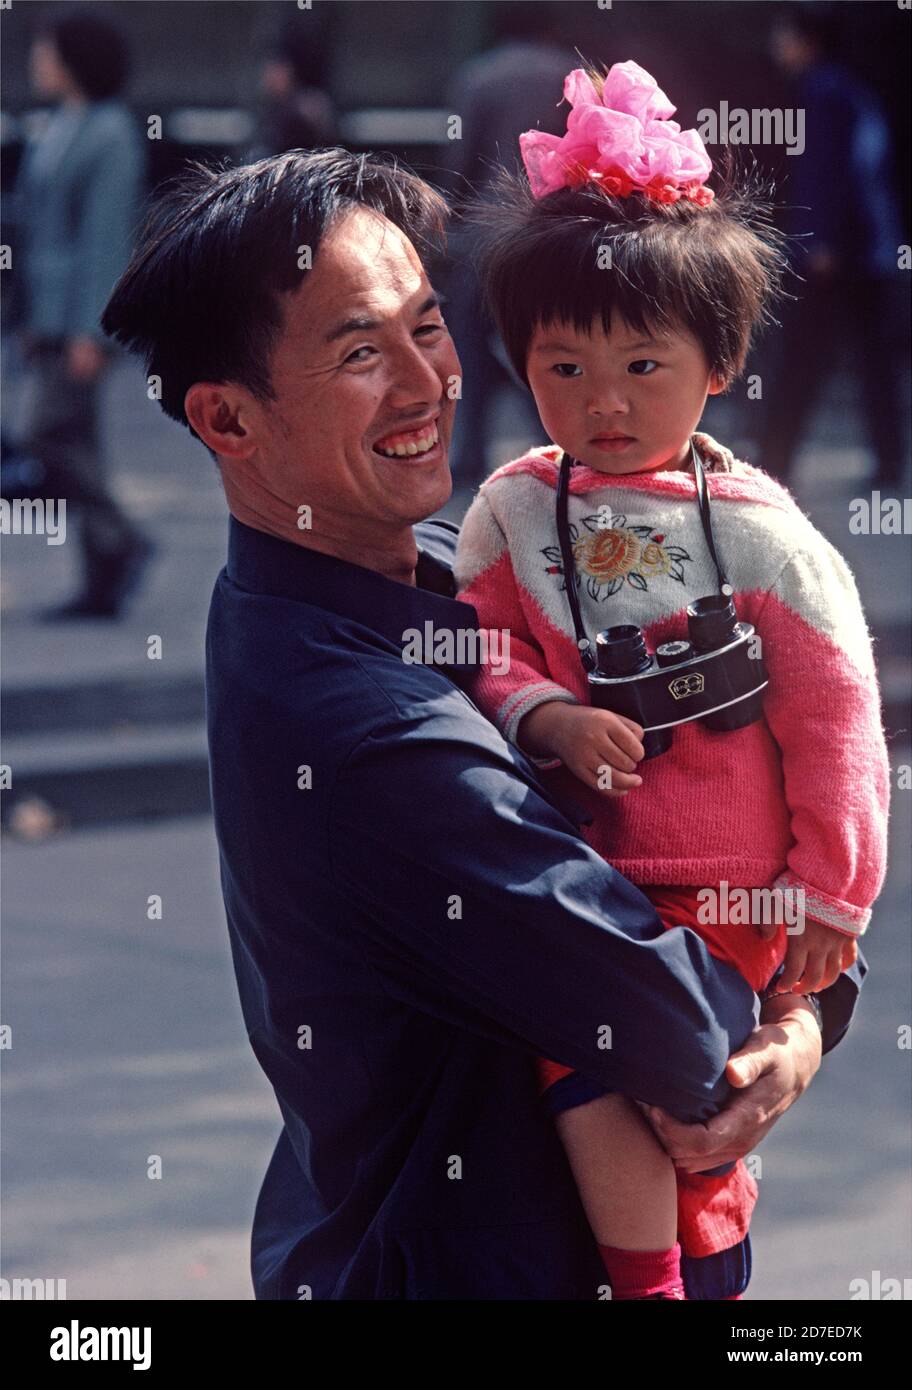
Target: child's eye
column 642, row 362
column 571, row 367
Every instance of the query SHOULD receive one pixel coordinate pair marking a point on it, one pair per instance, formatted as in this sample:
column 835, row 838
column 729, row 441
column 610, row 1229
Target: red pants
column 713, row 1212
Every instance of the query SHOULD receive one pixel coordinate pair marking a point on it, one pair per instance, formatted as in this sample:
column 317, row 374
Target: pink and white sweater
column 798, row 800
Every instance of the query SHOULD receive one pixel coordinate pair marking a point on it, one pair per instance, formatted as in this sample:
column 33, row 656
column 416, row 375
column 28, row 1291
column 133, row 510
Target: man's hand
column 776, row 1064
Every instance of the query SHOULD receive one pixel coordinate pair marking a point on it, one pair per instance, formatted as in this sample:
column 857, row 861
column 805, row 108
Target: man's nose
column 414, row 378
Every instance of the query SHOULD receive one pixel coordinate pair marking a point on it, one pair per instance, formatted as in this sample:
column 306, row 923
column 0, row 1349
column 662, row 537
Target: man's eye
column 566, row 369
column 642, row 362
column 362, row 354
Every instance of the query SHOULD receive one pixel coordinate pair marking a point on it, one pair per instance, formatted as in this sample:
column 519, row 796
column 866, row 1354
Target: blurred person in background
column 496, row 94
column 78, row 194
column 294, row 112
column 842, row 191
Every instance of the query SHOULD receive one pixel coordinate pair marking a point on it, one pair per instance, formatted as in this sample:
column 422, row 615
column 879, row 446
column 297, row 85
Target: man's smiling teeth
column 414, row 442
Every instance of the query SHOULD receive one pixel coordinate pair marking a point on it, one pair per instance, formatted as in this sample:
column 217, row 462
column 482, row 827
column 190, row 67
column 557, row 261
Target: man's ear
column 221, row 415
column 717, row 384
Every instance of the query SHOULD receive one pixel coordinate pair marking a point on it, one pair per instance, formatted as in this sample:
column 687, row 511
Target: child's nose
column 608, row 400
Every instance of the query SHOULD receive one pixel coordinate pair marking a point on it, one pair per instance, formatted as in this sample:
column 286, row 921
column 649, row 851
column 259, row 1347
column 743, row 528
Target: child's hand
column 600, row 748
column 815, row 959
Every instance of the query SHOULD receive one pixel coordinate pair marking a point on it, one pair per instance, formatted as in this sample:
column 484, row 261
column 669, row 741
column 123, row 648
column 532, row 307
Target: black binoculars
column 714, row 677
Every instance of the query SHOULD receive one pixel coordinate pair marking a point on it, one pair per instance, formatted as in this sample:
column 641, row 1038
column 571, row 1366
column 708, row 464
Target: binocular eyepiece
column 717, row 676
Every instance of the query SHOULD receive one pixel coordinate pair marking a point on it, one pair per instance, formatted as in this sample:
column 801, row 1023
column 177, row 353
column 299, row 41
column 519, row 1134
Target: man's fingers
column 772, row 1074
column 732, row 1133
column 744, row 1067
column 680, row 1141
column 694, row 1148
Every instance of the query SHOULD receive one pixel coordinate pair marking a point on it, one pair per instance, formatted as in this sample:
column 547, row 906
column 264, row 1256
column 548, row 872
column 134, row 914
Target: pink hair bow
column 623, row 140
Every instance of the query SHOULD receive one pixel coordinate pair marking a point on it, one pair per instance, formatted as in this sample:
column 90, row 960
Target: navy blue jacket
column 413, row 919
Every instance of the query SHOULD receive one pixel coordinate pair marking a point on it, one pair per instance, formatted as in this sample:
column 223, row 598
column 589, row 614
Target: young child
column 626, row 291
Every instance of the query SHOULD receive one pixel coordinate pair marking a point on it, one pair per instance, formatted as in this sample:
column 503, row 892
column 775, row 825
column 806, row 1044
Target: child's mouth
column 613, row 445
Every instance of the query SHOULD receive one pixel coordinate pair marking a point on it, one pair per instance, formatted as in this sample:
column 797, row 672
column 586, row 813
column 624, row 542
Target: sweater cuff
column 521, row 702
column 832, row 912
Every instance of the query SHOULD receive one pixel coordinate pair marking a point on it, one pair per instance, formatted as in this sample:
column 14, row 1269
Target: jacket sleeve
column 106, row 226
column 823, row 708
column 837, row 1006
column 484, row 572
column 478, row 903
column 838, row 1003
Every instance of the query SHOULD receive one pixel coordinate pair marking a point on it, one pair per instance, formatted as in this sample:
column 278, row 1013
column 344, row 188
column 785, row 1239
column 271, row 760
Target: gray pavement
column 128, row 1042
column 127, row 1034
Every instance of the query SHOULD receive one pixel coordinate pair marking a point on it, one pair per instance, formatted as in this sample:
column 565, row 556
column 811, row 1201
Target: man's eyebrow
column 368, row 325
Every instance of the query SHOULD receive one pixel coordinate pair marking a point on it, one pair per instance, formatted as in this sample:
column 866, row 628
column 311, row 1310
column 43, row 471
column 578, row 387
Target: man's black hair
column 201, row 297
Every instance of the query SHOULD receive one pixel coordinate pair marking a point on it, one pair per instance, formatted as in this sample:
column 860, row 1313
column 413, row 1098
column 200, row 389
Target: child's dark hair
column 714, row 270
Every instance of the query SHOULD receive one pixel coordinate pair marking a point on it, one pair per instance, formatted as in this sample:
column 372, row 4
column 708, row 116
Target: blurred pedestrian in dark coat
column 514, row 86
column 78, row 199
column 842, row 190
column 295, row 113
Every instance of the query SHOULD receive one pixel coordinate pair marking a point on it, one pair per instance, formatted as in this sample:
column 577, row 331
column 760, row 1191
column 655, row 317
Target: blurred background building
column 134, row 1037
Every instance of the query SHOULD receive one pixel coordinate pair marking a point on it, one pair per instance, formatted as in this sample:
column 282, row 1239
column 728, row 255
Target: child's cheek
column 550, row 413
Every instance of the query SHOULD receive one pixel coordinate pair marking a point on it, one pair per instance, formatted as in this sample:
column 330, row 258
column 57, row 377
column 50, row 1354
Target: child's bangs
column 604, row 280
column 570, row 269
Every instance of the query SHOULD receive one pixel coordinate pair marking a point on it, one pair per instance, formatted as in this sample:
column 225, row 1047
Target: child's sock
column 643, row 1273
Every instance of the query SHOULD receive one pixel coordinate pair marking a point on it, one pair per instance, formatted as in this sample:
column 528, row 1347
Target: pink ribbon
column 622, row 140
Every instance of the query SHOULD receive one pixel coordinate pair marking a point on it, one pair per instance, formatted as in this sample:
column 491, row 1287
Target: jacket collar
column 264, row 564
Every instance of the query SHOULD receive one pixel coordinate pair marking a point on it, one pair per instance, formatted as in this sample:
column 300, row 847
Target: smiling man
column 413, row 918
column 359, row 378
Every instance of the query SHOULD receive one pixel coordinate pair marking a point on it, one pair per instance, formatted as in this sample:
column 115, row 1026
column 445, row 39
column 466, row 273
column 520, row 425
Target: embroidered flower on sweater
column 609, row 554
